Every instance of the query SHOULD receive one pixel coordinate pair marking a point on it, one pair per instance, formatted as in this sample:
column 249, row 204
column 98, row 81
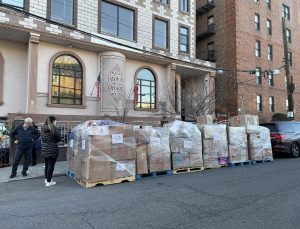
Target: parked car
column 285, row 137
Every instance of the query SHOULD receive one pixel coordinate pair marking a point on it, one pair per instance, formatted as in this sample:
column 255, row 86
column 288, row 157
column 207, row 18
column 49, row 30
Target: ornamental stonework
column 115, row 83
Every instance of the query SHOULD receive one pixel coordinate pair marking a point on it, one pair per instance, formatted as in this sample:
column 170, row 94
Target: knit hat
column 28, row 120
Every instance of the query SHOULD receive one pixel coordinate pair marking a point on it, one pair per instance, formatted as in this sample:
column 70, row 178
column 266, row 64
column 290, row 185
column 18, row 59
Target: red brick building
column 246, row 35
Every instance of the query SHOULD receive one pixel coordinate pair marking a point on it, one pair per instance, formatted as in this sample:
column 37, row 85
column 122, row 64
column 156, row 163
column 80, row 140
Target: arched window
column 146, row 89
column 66, row 81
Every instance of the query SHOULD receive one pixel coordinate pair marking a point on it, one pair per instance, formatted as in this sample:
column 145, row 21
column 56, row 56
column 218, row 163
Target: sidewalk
column 33, row 172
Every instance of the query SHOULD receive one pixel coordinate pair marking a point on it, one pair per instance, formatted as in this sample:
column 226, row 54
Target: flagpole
column 93, row 89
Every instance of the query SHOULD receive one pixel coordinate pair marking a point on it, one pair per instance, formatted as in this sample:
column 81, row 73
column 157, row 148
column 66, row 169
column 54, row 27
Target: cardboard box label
column 117, row 138
column 187, row 144
column 83, row 144
column 155, row 140
column 71, row 143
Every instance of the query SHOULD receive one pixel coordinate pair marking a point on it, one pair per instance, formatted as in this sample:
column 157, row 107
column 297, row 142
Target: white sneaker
column 51, row 183
column 45, row 181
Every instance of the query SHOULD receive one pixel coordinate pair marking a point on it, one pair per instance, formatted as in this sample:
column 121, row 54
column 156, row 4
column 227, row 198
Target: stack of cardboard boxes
column 215, row 145
column 238, row 147
column 259, row 141
column 153, row 152
column 102, row 152
column 185, row 145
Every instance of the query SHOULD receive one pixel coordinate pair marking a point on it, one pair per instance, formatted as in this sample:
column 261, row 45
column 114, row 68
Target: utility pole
column 289, row 78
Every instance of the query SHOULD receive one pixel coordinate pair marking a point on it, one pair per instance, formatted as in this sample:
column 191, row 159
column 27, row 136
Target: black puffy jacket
column 49, row 143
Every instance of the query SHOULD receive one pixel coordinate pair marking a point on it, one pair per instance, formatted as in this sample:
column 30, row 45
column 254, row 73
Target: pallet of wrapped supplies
column 238, row 145
column 153, row 152
column 205, row 119
column 259, row 143
column 103, row 154
column 186, row 147
column 215, row 145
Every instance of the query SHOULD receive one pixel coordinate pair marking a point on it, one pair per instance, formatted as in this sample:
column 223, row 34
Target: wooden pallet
column 254, row 162
column 215, row 167
column 154, row 174
column 89, row 184
column 239, row 164
column 188, row 170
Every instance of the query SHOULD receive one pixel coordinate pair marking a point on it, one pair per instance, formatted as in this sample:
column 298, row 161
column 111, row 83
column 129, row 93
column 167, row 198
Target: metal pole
column 289, row 79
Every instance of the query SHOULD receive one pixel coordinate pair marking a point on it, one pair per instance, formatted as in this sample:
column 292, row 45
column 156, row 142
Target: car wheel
column 295, row 150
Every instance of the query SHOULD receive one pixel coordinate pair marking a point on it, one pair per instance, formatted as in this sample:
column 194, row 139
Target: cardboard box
column 180, row 160
column 141, row 159
column 95, row 169
column 122, row 169
column 160, row 161
column 206, row 119
column 244, row 120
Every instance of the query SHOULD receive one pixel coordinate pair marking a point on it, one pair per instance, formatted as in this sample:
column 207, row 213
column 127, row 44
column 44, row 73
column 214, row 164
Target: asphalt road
column 260, row 196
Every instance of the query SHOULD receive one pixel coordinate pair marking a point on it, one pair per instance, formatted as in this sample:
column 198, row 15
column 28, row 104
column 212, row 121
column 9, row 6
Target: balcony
column 205, row 8
column 210, row 56
column 210, row 32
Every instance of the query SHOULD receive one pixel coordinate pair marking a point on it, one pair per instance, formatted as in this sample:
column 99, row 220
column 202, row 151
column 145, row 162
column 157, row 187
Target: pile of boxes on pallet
column 258, row 139
column 185, row 145
column 106, row 150
column 102, row 150
column 153, row 152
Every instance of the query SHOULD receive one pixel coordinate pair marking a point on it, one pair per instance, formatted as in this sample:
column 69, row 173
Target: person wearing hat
column 23, row 136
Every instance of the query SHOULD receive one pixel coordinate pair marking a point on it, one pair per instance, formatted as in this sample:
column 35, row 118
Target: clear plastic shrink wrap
column 153, row 152
column 238, row 144
column 102, row 150
column 215, row 145
column 185, row 145
column 259, row 141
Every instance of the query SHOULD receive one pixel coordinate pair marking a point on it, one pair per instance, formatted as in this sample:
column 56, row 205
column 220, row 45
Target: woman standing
column 50, row 136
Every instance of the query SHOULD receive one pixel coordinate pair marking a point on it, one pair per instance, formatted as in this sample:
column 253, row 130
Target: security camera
column 206, row 79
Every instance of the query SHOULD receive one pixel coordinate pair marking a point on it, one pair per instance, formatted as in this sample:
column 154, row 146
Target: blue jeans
column 20, row 151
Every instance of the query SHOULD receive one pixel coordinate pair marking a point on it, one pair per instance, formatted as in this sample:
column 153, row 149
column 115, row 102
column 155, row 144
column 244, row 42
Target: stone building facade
column 240, row 30
column 81, row 59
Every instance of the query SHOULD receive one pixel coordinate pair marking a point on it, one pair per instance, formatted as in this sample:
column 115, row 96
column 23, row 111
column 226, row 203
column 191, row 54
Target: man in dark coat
column 23, row 136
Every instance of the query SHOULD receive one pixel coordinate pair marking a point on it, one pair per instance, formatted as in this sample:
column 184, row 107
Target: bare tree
column 193, row 99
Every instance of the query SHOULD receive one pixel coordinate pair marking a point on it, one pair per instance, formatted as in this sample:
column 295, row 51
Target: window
column 184, row 5
column 258, row 103
column 66, row 81
column 161, row 35
column 270, row 52
column 268, row 2
column 271, row 79
column 257, row 49
column 62, row 11
column 288, row 35
column 146, row 89
column 271, row 103
column 290, row 59
column 17, row 4
column 258, row 76
column 286, row 12
column 257, row 22
column 287, row 104
column 210, row 24
column 210, row 51
column 163, row 1
column 269, row 26
column 117, row 21
column 183, row 39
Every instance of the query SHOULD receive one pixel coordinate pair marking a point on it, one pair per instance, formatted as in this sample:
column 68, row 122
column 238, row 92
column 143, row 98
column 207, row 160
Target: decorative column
column 113, row 76
column 32, row 72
